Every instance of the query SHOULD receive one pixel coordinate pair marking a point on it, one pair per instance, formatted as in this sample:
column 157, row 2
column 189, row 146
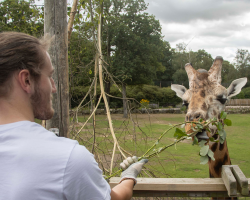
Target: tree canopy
column 22, row 16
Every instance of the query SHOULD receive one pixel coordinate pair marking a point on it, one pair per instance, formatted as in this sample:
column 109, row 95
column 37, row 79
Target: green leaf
column 221, row 140
column 202, row 143
column 195, row 140
column 90, row 71
column 211, row 154
column 211, row 139
column 223, row 115
column 219, row 126
column 207, row 129
column 228, row 122
column 179, row 133
column 203, row 160
column 222, row 134
column 204, row 150
column 201, row 120
column 199, row 126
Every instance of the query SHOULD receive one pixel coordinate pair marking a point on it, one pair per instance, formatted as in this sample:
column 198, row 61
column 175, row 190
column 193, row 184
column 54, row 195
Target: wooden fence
column 233, row 183
column 238, row 102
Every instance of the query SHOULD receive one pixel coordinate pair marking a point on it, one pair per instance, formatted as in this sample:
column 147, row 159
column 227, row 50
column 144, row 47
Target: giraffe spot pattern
column 214, row 147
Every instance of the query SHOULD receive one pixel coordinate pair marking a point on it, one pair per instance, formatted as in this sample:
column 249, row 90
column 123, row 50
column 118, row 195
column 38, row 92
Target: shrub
column 154, row 94
column 246, row 92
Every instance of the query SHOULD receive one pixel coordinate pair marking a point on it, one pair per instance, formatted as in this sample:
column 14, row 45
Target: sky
column 220, row 27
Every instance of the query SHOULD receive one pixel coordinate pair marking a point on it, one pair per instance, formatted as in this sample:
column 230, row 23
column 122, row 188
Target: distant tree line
column 134, row 50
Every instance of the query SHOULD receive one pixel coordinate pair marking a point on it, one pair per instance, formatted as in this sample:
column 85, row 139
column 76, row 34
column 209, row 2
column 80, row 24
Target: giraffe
column 205, row 99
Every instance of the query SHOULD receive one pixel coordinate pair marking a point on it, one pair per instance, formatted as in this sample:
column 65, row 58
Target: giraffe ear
column 179, row 89
column 235, row 87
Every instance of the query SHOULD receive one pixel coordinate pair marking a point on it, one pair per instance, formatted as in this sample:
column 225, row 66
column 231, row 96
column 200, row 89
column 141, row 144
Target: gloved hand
column 133, row 168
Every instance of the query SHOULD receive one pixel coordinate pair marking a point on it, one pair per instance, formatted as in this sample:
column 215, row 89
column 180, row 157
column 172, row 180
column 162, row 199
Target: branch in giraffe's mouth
column 202, row 135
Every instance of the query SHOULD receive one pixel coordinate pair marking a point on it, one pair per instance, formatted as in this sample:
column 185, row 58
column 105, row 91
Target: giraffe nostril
column 193, row 116
column 197, row 116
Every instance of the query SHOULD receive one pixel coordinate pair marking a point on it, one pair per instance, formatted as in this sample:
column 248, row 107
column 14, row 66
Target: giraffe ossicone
column 206, row 99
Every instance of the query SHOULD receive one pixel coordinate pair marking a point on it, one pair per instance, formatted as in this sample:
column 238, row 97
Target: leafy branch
column 196, row 127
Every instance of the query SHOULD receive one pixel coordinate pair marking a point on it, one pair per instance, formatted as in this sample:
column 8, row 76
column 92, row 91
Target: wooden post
column 242, row 181
column 229, row 180
column 55, row 23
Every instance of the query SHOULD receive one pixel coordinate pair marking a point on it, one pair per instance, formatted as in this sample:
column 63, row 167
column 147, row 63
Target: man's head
column 25, row 57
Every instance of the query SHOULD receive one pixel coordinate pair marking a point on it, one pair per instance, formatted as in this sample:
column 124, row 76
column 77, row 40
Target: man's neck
column 14, row 110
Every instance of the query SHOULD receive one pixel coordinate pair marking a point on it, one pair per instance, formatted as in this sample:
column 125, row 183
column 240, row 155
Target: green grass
column 180, row 162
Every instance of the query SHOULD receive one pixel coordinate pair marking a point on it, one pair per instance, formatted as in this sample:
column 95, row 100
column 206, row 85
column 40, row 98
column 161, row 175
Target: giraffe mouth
column 202, row 135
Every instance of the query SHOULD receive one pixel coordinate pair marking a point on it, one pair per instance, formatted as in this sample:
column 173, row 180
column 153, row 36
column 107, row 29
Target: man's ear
column 25, row 81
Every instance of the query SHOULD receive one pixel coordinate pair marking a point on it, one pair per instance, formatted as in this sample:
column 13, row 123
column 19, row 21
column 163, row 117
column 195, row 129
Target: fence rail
column 238, row 102
column 233, row 183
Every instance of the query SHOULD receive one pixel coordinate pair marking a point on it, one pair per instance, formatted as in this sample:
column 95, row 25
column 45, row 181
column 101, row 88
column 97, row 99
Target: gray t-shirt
column 35, row 164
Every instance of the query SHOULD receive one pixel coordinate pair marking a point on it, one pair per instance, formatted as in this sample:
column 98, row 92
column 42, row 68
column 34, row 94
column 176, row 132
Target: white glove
column 133, row 168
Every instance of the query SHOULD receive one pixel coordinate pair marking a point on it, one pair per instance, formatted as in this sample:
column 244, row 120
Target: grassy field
column 182, row 161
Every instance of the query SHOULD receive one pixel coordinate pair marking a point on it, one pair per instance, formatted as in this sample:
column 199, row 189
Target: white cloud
column 218, row 27
column 189, row 10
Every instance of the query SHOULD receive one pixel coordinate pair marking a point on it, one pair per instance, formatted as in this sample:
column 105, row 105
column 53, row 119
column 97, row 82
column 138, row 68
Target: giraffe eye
column 222, row 100
column 185, row 103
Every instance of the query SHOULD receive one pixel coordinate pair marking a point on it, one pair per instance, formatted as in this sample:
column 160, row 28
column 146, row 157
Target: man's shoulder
column 33, row 134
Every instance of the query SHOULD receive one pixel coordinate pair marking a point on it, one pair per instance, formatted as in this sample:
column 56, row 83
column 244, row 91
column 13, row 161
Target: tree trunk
column 71, row 18
column 125, row 107
column 55, row 24
column 107, row 88
column 107, row 79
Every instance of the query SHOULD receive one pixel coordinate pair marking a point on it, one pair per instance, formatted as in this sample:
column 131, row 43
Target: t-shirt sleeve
column 83, row 178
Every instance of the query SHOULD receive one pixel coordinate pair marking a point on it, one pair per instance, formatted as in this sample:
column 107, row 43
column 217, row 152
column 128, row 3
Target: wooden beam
column 55, row 24
column 176, row 184
column 140, row 193
column 242, row 181
column 178, row 187
column 229, row 180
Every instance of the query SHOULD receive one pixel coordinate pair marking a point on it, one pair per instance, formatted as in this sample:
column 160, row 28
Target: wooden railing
column 233, row 183
column 238, row 102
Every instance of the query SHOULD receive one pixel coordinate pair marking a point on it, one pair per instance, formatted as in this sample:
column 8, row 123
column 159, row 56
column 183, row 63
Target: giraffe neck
column 221, row 156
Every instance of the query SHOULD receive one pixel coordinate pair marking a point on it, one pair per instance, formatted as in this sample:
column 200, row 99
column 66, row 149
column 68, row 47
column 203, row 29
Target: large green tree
column 242, row 63
column 138, row 49
column 165, row 78
column 137, row 46
column 132, row 40
column 22, row 16
column 228, row 73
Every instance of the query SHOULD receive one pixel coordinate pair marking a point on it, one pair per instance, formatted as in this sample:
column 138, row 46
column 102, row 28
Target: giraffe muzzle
column 202, row 135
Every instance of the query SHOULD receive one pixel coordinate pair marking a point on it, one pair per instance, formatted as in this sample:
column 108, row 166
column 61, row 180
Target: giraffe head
column 206, row 97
